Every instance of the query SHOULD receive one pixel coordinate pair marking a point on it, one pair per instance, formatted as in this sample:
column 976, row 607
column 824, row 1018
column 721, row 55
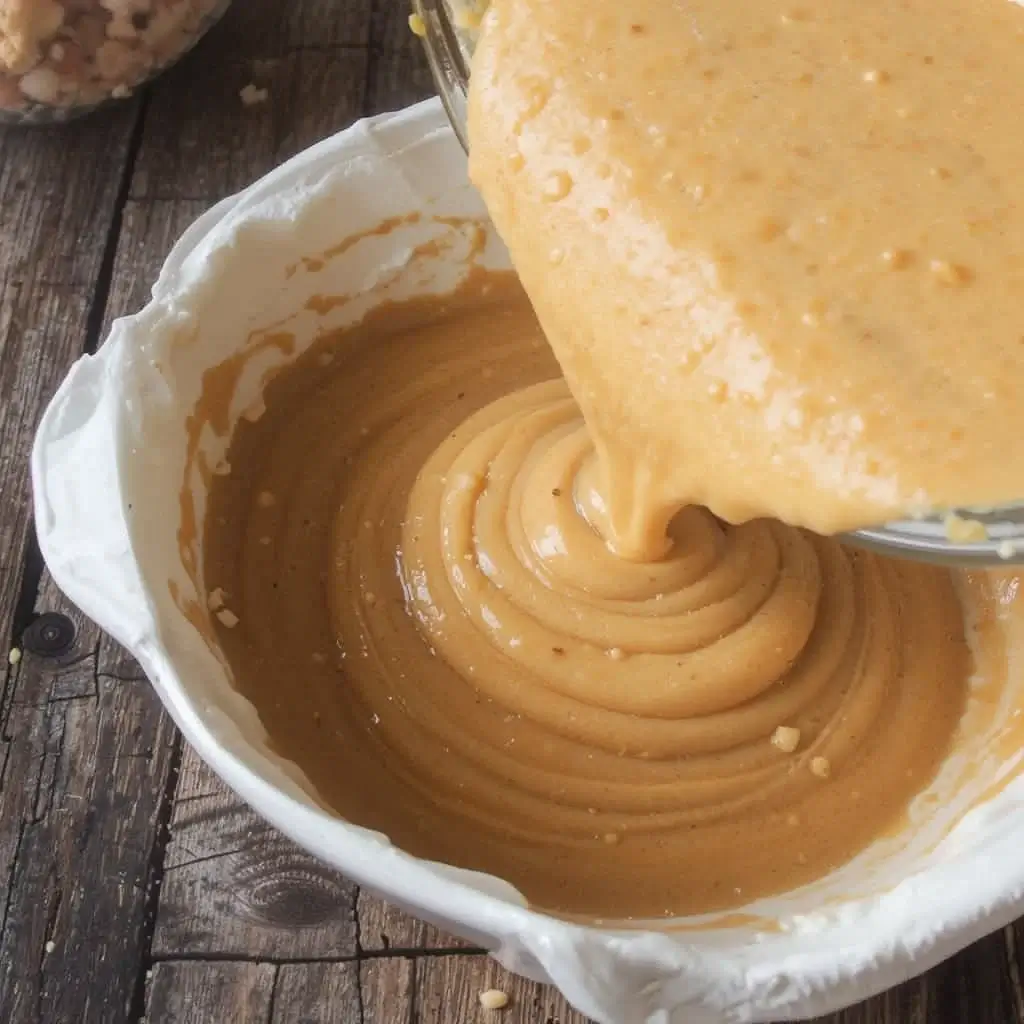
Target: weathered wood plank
column 84, row 705
column 980, row 985
column 85, row 761
column 202, row 142
column 254, row 29
column 398, row 69
column 387, row 989
column 908, row 1004
column 1013, row 948
column 58, row 195
column 448, row 989
column 195, row 993
column 375, row 992
column 386, row 929
column 318, row 994
column 234, row 886
column 59, row 192
column 975, row 986
column 48, row 281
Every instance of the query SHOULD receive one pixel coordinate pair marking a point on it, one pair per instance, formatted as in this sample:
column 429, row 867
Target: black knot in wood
column 49, row 635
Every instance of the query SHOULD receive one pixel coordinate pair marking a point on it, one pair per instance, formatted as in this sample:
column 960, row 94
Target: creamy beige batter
column 776, row 250
column 426, row 616
column 778, row 247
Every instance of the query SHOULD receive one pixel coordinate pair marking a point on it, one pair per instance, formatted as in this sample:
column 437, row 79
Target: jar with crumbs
column 63, row 58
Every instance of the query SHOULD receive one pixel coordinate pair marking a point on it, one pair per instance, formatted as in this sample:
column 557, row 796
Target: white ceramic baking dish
column 108, row 469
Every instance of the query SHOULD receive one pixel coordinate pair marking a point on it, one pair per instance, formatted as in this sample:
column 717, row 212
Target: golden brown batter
column 778, row 247
column 411, row 592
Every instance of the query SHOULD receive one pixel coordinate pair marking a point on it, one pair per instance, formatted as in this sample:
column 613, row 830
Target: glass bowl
column 448, row 29
column 60, row 59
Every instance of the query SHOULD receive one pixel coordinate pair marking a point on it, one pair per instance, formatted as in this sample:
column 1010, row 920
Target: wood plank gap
column 155, row 873
column 242, row 958
column 414, row 995
column 359, row 927
column 32, row 566
column 277, row 961
column 411, row 953
column 104, row 280
column 272, row 1002
column 117, row 677
column 360, row 995
column 18, row 847
column 360, row 952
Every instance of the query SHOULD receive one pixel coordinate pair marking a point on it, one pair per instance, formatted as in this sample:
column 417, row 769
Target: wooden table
column 133, row 885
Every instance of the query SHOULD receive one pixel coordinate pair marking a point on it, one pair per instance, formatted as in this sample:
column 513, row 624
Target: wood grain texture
column 76, row 854
column 318, row 994
column 83, row 864
column 59, row 192
column 234, row 886
column 384, row 928
column 187, row 993
column 85, row 758
column 193, row 992
column 387, row 991
column 254, row 29
column 449, row 988
column 398, row 73
column 63, row 724
column 202, row 142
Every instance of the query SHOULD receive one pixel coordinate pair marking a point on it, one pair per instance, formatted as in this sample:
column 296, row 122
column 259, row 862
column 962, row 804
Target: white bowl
column 108, row 466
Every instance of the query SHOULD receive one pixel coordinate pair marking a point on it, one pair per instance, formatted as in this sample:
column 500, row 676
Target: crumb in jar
column 75, row 54
column 24, row 25
column 821, row 767
column 964, row 531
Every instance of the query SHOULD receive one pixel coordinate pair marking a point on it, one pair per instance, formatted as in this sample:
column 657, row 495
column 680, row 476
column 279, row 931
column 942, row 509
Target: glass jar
column 448, row 28
column 63, row 58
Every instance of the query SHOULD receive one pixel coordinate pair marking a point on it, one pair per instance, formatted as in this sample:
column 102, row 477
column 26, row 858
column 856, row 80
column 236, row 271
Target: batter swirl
column 486, row 681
